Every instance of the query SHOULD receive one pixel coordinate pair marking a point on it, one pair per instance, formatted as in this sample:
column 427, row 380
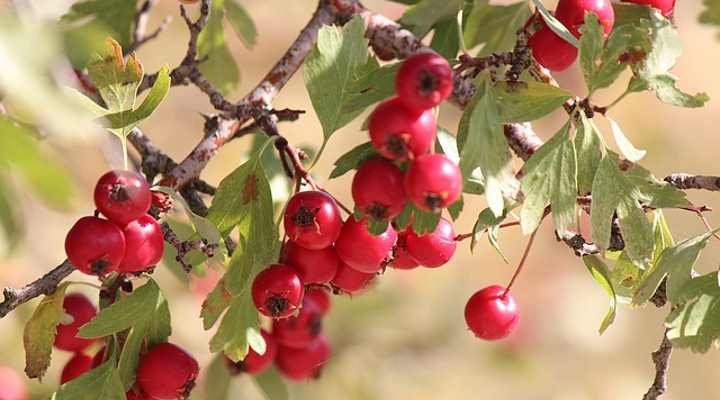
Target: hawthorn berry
column 401, row 258
column 298, row 331
column 81, row 310
column 423, row 81
column 377, row 189
column 312, row 220
column 313, row 266
column 359, row 249
column 666, row 7
column 167, row 372
column 95, row 246
column 122, row 196
column 432, row 182
column 551, row 51
column 320, row 296
column 350, row 281
column 433, row 249
column 78, row 365
column 399, row 133
column 572, row 14
column 277, row 291
column 304, row 363
column 12, row 386
column 491, row 313
column 143, row 244
column 255, row 363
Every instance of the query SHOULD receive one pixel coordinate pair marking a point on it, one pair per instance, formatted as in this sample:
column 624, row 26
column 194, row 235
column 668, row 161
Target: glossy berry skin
column 348, row 280
column 666, row 7
column 433, row 249
column 572, row 14
column 312, row 220
column 95, row 246
column 78, row 365
column 143, row 244
column 401, row 258
column 122, row 196
column 490, row 314
column 423, row 81
column 313, row 266
column 167, row 372
column 305, row 363
column 320, row 296
column 551, row 51
column 432, row 182
column 377, row 189
column 255, row 363
column 82, row 310
column 277, row 291
column 360, row 250
column 298, row 331
column 12, row 386
column 399, row 133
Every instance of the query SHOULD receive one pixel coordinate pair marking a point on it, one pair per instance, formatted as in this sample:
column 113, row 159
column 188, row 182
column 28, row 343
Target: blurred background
column 406, row 338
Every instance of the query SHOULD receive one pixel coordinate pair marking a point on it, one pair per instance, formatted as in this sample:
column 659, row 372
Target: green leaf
column 130, row 356
column 588, row 146
column 494, row 26
column 231, row 337
column 116, row 15
column 370, row 84
column 654, row 192
column 695, row 324
column 555, row 25
column 626, row 148
column 271, row 385
column 488, row 222
column 711, row 13
column 456, row 208
column 377, row 227
column 550, row 177
column 421, row 17
column 241, row 22
column 39, row 333
column 117, row 80
column 425, row 221
column 625, row 47
column 217, row 379
column 447, row 145
column 101, row 383
column 352, row 159
column 219, row 66
column 334, row 63
column 614, row 193
column 129, row 118
column 406, row 216
column 216, row 302
column 601, row 274
column 527, row 101
column 446, row 39
column 483, row 145
column 10, row 219
column 591, row 45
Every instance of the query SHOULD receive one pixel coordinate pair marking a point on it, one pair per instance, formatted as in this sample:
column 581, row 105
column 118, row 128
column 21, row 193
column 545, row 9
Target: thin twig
column 184, row 247
column 44, row 285
column 661, row 359
column 521, row 264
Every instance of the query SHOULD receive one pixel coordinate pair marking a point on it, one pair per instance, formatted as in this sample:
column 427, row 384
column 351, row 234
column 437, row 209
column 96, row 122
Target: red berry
column 277, row 291
column 78, row 365
column 305, row 363
column 99, row 358
column 312, row 220
column 122, row 196
column 551, row 51
column 313, row 266
column 255, row 363
column 143, row 244
column 401, row 258
column 433, row 249
column 12, row 386
column 81, row 310
column 377, row 189
column 350, row 281
column 320, row 296
column 360, row 250
column 491, row 313
column 423, row 81
column 95, row 246
column 432, row 182
column 167, row 372
column 666, row 7
column 399, row 133
column 298, row 331
column 572, row 14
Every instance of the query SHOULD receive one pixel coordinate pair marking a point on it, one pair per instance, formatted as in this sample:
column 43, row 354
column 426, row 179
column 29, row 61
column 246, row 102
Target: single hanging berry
column 350, row 281
column 255, row 363
column 144, row 244
column 78, row 365
column 377, row 189
column 551, row 51
column 491, row 313
column 79, row 310
column 572, row 14
column 423, row 81
column 305, row 363
column 95, row 246
column 277, row 291
column 122, row 196
column 167, row 372
column 360, row 249
column 433, row 249
column 313, row 266
column 312, row 220
column 433, row 182
column 399, row 133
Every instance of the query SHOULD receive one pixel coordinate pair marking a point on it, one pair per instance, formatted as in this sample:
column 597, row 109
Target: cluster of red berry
column 129, row 240
column 554, row 53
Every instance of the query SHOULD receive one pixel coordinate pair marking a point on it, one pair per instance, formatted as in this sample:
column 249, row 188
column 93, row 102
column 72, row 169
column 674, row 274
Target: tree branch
column 44, row 285
column 661, row 359
column 687, row 181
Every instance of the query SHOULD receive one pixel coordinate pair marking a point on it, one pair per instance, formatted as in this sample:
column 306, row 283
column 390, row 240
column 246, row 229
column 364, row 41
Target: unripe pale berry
column 277, row 291
column 433, row 249
column 143, row 244
column 312, row 220
column 122, row 196
column 76, row 366
column 350, row 281
column 95, row 246
column 423, row 81
column 320, row 295
column 492, row 314
column 572, row 14
column 359, row 249
column 12, row 386
column 432, row 182
column 401, row 258
column 305, row 363
column 313, row 266
column 81, row 310
column 298, row 331
column 399, row 133
column 167, row 372
column 255, row 363
column 377, row 189
column 666, row 7
column 551, row 51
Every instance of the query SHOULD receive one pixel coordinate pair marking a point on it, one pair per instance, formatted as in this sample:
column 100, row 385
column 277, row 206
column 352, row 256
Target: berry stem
column 522, row 262
column 464, row 236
